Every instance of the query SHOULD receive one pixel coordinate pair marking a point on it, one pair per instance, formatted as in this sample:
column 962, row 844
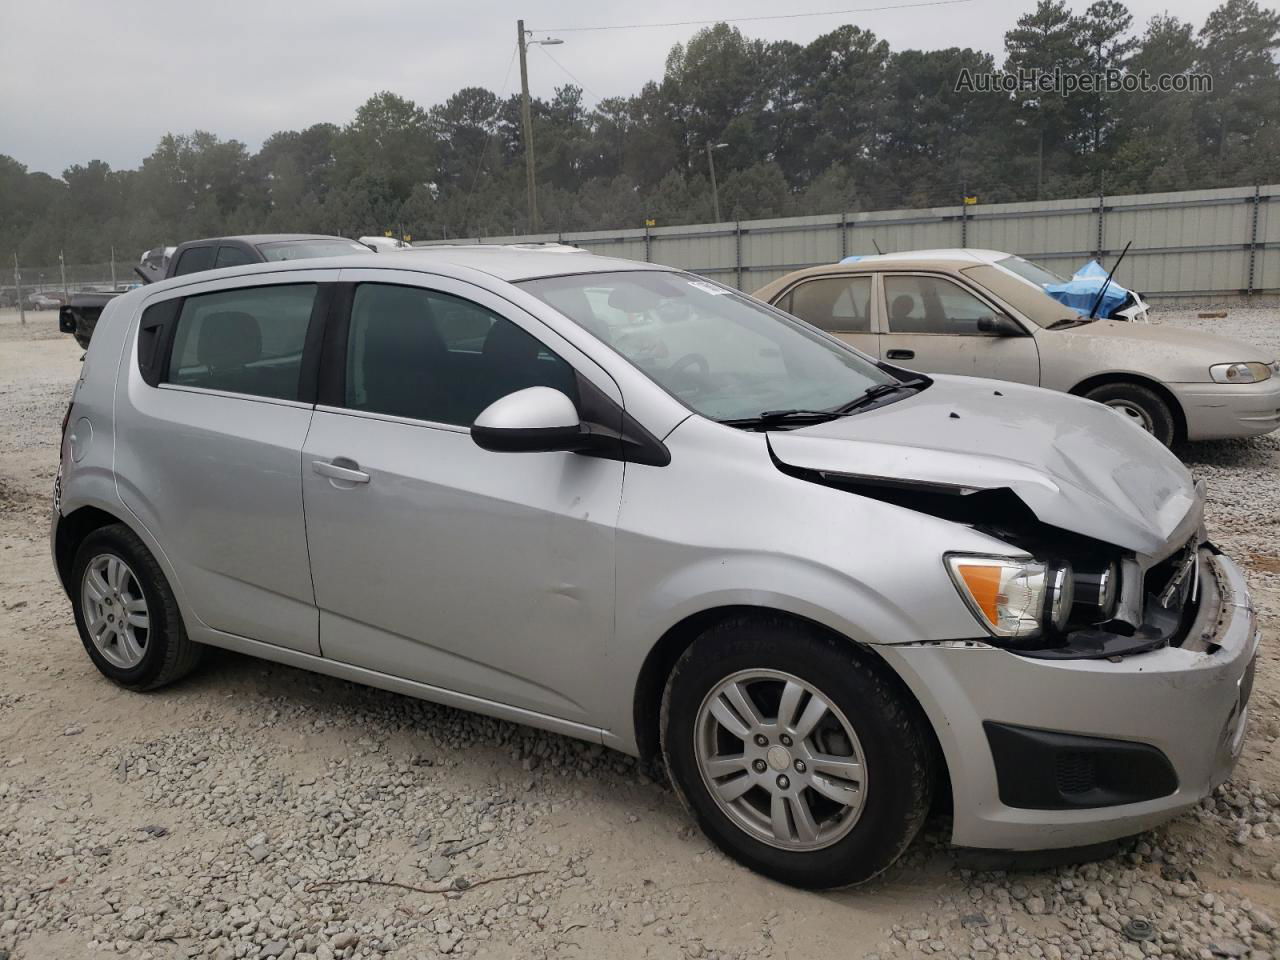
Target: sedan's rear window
column 306, row 249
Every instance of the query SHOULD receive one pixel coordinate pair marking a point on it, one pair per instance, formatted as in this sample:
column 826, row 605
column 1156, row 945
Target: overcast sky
column 85, row 79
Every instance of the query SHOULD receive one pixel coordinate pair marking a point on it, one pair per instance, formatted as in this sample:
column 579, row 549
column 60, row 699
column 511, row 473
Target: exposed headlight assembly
column 1239, row 372
column 1014, row 598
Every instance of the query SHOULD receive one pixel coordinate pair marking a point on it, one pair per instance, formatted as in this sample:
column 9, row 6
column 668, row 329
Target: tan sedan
column 967, row 313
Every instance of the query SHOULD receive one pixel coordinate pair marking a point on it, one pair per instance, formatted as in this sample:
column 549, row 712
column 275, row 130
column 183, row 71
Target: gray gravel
column 242, row 813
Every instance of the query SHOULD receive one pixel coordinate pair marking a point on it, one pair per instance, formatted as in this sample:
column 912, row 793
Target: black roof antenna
column 877, row 246
column 1093, row 314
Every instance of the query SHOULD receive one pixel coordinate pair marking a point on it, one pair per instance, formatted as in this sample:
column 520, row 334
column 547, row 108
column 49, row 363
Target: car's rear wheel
column 798, row 757
column 126, row 613
column 1140, row 404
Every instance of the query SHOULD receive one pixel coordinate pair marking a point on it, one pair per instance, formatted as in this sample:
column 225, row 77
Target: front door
column 838, row 304
column 488, row 574
column 932, row 324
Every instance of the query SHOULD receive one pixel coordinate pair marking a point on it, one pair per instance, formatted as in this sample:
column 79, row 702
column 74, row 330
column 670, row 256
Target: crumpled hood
column 1075, row 463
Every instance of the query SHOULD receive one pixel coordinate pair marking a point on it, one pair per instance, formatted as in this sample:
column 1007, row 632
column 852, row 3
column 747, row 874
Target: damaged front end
column 1100, row 600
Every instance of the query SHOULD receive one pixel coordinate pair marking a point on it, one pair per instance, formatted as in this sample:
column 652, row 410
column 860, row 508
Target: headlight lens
column 1007, row 595
column 1239, row 372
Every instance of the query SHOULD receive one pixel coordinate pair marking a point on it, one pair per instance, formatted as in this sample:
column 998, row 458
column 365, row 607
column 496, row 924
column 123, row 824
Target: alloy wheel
column 780, row 759
column 115, row 611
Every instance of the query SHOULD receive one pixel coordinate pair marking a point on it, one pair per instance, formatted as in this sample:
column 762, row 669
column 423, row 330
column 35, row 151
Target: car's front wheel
column 126, row 612
column 798, row 757
column 1140, row 404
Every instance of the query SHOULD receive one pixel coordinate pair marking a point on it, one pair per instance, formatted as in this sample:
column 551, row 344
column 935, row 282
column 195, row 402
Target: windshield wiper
column 790, row 417
column 800, row 417
column 879, row 391
column 1069, row 322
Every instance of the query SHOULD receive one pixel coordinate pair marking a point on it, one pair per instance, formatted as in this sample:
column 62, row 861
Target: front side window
column 922, row 304
column 195, row 260
column 430, row 356
column 243, row 341
column 232, row 257
column 834, row 304
column 722, row 354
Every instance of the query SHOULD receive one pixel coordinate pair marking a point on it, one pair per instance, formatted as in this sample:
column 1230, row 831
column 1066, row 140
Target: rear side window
column 243, row 341
column 195, row 260
column 834, row 304
column 431, row 356
column 232, row 257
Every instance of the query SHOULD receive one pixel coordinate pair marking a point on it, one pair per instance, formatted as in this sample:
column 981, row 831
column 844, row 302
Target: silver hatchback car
column 628, row 504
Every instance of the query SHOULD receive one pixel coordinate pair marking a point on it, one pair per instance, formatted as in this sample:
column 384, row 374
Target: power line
column 567, row 72
column 772, row 16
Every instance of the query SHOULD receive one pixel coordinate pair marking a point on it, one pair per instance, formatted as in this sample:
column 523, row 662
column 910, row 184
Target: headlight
column 1014, row 598
column 1239, row 372
column 1096, row 593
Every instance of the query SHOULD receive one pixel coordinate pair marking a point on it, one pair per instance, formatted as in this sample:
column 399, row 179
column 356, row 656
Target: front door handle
column 340, row 468
column 901, row 355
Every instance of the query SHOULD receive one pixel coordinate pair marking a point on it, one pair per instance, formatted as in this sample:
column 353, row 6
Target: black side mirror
column 1000, row 326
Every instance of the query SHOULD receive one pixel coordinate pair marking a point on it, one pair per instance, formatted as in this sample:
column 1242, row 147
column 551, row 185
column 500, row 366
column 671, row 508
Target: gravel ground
column 259, row 811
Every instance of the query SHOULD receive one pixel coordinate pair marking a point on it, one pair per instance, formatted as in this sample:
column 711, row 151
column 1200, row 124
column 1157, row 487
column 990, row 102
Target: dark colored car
column 80, row 315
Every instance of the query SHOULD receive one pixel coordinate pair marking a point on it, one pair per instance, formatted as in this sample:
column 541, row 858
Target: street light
column 524, row 41
column 711, row 165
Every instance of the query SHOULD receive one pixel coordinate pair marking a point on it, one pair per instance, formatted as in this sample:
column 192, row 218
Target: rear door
column 487, row 574
column 933, row 324
column 839, row 304
column 209, row 447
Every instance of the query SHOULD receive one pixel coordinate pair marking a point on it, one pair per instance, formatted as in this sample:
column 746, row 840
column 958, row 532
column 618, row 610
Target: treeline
column 842, row 123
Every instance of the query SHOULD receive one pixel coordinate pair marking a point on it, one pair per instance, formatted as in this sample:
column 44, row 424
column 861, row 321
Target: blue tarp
column 1081, row 291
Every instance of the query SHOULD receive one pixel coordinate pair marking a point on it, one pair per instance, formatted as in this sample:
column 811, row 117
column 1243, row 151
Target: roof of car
column 966, row 254
column 256, row 238
column 510, row 264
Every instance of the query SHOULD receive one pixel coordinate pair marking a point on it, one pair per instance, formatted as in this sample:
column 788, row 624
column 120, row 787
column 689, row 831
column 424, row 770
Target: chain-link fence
column 35, row 286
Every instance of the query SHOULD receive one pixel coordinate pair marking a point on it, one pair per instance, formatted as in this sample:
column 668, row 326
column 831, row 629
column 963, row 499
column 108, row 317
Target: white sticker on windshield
column 710, row 288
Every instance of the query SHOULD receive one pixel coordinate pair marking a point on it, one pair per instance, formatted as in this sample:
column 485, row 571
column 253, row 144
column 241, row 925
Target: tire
column 883, row 802
column 1146, row 407
column 152, row 656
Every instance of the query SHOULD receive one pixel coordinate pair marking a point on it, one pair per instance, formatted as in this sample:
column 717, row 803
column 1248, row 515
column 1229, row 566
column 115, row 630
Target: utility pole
column 113, row 268
column 17, row 289
column 62, row 269
column 526, row 116
column 711, row 165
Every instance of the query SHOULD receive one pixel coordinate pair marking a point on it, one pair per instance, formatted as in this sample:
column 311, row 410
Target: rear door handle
column 901, row 355
column 340, row 468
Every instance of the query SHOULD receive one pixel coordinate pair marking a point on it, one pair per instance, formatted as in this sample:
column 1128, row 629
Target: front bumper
column 1191, row 706
column 1218, row 410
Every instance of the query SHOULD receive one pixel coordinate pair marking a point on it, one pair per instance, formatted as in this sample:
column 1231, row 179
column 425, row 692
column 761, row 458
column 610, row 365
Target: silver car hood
column 1076, row 464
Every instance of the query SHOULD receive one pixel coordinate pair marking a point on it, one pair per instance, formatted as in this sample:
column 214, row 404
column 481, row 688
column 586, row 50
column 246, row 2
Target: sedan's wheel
column 1139, row 404
column 799, row 756
column 126, row 612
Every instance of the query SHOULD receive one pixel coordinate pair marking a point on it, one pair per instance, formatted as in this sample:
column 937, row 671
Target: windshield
column 1030, row 271
column 306, row 249
column 718, row 352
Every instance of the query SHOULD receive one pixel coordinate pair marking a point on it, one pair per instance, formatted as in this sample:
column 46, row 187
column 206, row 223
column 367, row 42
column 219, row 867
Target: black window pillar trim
column 331, row 365
column 313, row 344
